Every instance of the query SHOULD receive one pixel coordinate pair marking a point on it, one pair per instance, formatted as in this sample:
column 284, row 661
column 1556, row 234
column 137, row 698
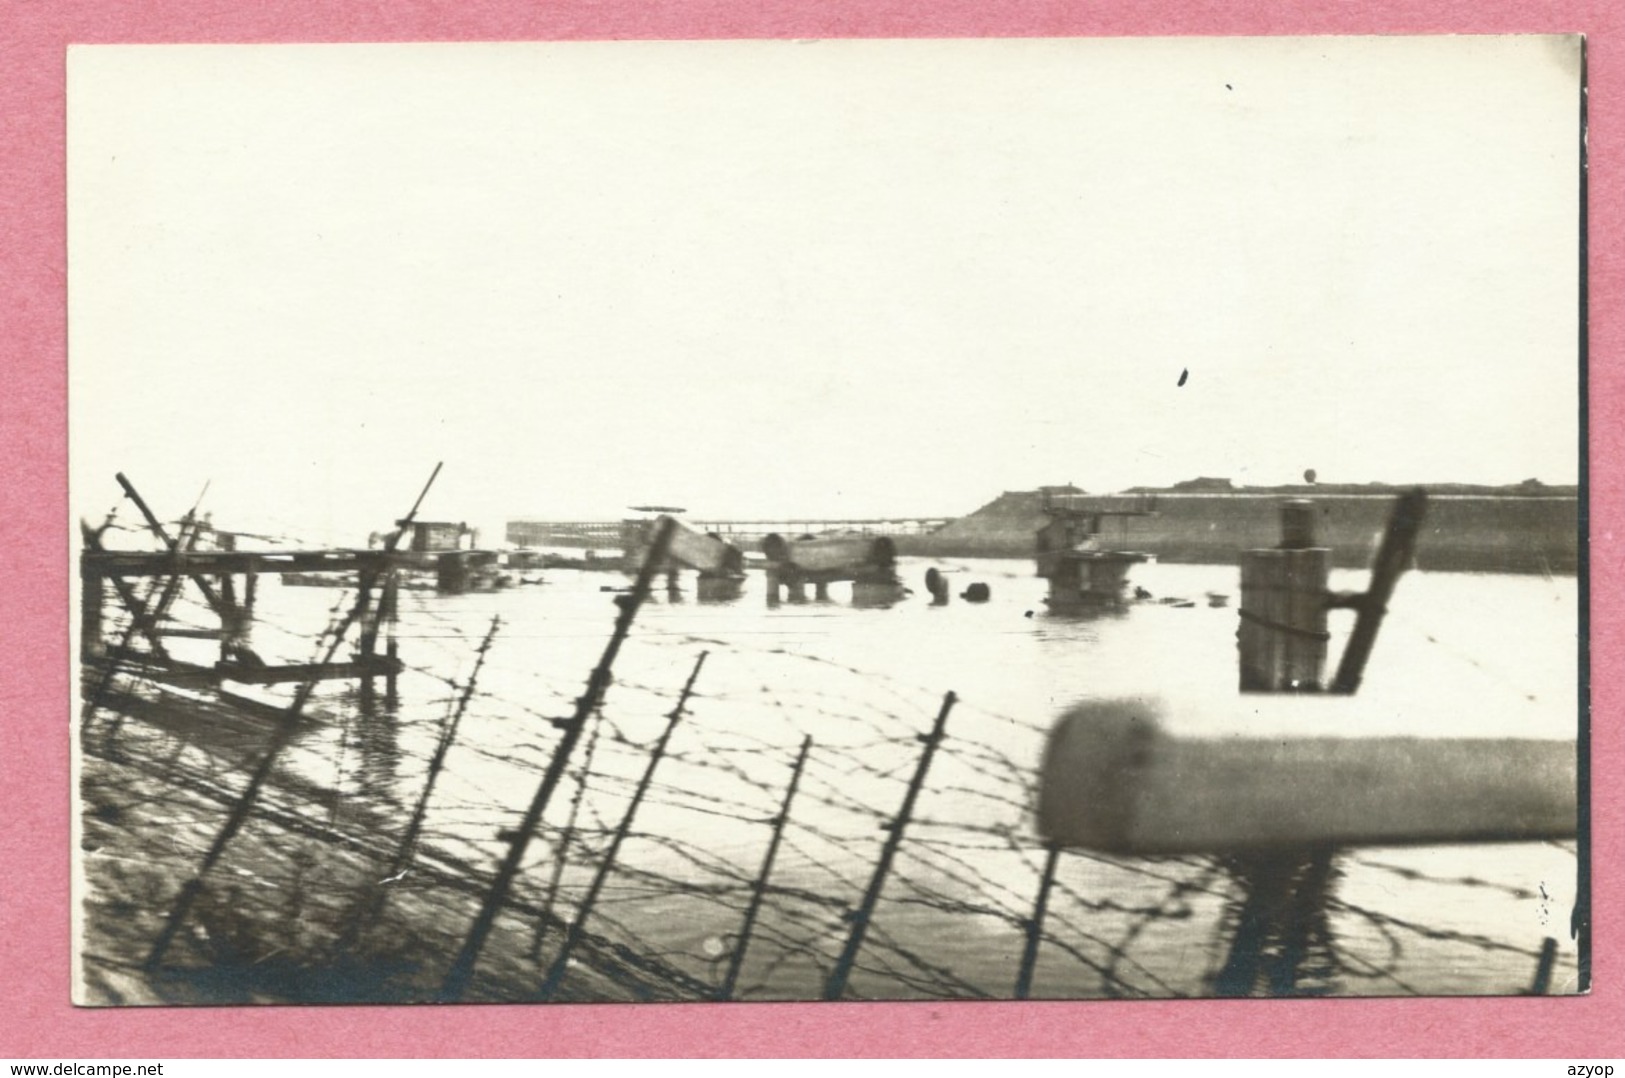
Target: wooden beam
column 274, row 675
column 116, row 564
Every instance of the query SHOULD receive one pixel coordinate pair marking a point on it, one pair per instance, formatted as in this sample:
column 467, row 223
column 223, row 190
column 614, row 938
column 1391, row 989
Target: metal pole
column 572, row 935
column 462, row 968
column 759, row 888
column 860, row 919
column 1035, row 925
column 1398, row 546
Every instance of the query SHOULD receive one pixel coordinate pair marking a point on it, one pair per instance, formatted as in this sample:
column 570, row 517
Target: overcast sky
column 816, row 279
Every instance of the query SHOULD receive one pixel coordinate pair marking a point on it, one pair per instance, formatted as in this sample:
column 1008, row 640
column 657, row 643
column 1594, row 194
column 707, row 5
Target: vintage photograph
column 828, row 520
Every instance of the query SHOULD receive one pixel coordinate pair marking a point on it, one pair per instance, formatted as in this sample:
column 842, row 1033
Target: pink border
column 37, row 1018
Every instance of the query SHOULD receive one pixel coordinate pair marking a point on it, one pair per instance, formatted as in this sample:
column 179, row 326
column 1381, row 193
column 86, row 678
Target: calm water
column 1460, row 655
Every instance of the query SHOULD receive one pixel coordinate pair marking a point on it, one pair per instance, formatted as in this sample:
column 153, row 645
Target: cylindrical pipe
column 1114, row 779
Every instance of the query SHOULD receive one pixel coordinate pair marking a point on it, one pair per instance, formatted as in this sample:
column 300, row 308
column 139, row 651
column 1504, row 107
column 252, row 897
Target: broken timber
column 97, row 565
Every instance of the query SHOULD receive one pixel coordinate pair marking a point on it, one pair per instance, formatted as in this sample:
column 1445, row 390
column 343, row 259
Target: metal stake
column 462, row 968
column 860, row 919
column 1035, row 925
column 572, row 935
column 374, row 903
column 759, row 888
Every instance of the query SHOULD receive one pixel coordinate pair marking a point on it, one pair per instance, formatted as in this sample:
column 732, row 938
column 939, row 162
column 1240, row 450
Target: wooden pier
column 228, row 581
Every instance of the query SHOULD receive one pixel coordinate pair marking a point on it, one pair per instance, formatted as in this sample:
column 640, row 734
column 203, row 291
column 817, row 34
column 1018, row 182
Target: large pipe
column 841, row 552
column 1115, row 779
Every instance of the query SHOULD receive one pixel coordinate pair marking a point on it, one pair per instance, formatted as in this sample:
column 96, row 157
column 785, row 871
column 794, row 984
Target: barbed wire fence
column 374, row 845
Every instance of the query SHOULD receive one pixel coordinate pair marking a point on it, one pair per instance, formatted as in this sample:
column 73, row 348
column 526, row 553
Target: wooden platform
column 95, row 565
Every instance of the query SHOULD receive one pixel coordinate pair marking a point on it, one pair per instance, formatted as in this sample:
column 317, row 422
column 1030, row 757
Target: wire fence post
column 373, row 903
column 1035, row 924
column 572, row 935
column 287, row 724
column 836, row 984
column 759, row 888
column 173, row 545
column 1543, row 967
column 462, row 968
column 561, row 849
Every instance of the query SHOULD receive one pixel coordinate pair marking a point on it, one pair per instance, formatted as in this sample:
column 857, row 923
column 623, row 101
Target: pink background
column 36, row 1019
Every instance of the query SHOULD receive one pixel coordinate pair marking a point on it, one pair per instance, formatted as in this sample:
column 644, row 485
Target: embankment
column 1515, row 533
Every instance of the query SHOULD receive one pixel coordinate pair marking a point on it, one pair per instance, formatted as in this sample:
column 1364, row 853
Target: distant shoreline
column 1527, row 528
column 1465, row 531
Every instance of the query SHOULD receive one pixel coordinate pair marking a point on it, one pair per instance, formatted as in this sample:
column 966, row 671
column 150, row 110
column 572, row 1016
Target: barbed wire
column 962, row 889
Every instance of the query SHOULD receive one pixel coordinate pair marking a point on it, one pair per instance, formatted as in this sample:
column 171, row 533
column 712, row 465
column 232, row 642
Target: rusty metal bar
column 759, row 888
column 1035, row 924
column 462, row 968
column 572, row 935
column 836, row 984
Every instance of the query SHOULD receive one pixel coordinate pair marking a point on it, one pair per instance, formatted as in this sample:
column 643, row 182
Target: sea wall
column 1472, row 533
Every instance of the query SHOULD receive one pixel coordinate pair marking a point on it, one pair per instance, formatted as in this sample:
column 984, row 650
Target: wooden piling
column 389, row 610
column 1282, row 635
column 92, row 604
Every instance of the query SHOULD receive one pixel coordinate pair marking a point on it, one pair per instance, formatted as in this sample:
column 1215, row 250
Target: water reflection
column 1280, row 939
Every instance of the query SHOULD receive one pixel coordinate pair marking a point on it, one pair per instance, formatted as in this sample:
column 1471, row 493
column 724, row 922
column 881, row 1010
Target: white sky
column 817, row 279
